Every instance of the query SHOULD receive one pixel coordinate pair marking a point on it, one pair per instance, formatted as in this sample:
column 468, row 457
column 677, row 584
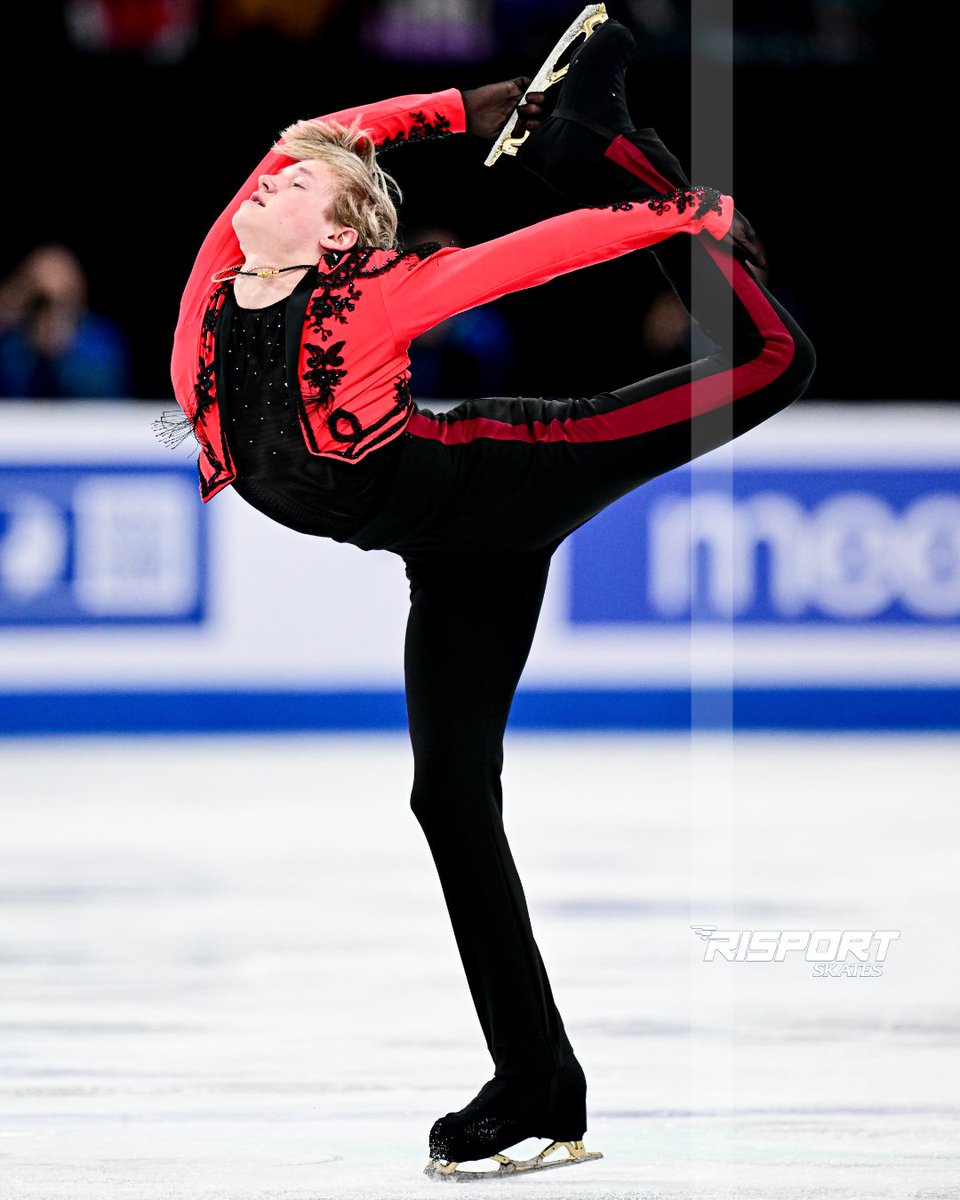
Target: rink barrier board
column 808, row 577
column 805, row 709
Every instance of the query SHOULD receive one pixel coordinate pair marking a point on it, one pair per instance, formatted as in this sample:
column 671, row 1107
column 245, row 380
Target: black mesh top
column 276, row 473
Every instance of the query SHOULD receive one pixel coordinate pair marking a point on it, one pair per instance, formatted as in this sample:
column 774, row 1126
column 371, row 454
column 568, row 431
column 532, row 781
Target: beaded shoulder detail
column 332, row 302
column 336, row 294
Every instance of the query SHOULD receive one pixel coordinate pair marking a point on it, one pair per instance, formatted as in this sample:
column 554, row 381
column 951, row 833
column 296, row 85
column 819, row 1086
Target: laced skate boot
column 510, row 1109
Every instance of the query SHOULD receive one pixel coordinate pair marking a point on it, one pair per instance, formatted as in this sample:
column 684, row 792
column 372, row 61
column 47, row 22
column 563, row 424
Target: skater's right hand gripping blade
column 592, row 16
column 441, row 1171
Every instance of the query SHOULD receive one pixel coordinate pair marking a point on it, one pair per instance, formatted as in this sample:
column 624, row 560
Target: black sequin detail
column 707, row 200
column 276, row 472
column 210, row 317
column 422, row 130
column 204, row 385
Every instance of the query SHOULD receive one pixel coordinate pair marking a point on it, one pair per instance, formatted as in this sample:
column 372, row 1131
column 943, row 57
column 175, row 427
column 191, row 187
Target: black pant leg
column 520, row 474
column 469, row 632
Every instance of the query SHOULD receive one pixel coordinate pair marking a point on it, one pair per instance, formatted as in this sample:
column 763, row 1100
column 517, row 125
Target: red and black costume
column 474, row 500
column 348, row 333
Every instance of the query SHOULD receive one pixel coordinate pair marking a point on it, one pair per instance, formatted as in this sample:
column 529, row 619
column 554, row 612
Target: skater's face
column 289, row 213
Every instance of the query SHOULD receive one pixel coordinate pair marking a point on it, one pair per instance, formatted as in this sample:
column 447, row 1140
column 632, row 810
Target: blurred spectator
column 51, row 346
column 295, row 20
column 156, row 30
column 430, row 30
column 470, row 354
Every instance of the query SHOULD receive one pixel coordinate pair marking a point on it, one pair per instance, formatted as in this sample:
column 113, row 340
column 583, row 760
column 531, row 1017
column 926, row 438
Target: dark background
column 127, row 156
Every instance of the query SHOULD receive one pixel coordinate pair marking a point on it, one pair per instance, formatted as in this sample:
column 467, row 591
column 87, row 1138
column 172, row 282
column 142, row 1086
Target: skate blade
column 592, row 16
column 506, row 1166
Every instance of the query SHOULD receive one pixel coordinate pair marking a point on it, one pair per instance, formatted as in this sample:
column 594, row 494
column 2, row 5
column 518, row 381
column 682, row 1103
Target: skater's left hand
column 743, row 234
column 489, row 108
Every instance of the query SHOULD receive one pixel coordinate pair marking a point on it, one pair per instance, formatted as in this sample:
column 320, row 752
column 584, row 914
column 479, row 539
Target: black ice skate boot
column 589, row 150
column 510, row 1109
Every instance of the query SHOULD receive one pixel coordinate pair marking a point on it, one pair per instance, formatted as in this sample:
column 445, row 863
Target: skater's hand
column 489, row 108
column 745, row 236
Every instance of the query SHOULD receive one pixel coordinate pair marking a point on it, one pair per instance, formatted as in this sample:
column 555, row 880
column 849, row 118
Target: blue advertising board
column 791, row 546
column 808, row 578
column 100, row 545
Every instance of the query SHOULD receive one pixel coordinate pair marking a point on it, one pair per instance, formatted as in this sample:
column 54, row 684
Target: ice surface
column 227, row 970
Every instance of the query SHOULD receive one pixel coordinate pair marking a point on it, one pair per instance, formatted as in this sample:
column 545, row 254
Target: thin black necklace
column 258, row 272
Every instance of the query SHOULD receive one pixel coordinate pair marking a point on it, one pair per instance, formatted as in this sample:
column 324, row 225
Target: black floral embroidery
column 325, row 306
column 707, row 200
column 325, row 367
column 422, row 130
column 203, row 387
column 209, row 324
column 324, row 371
column 209, row 320
column 710, row 201
column 401, row 389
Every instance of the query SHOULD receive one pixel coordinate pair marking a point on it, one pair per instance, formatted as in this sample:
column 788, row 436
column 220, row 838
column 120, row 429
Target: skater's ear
column 338, row 237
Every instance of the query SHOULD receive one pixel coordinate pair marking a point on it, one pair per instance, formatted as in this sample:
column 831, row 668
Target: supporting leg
column 470, row 628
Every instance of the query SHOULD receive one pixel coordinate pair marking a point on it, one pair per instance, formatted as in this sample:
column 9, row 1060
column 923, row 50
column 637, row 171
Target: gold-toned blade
column 576, row 1153
column 592, row 16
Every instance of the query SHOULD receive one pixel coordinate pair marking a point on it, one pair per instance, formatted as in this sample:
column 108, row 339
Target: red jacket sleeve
column 452, row 280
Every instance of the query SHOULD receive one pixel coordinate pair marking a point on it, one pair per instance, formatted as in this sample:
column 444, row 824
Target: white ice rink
column 227, row 969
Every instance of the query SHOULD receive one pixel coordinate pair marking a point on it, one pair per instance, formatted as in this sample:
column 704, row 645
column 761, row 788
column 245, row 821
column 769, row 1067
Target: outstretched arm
column 452, row 280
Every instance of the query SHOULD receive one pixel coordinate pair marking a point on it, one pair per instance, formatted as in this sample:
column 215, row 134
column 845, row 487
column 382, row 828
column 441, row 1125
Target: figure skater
column 290, row 365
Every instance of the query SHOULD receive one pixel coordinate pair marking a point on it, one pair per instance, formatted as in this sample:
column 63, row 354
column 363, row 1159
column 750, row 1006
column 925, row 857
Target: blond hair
column 365, row 198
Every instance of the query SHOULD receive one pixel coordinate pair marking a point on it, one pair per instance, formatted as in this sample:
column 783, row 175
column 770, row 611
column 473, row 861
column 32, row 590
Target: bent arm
column 405, row 118
column 409, row 118
column 452, row 280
